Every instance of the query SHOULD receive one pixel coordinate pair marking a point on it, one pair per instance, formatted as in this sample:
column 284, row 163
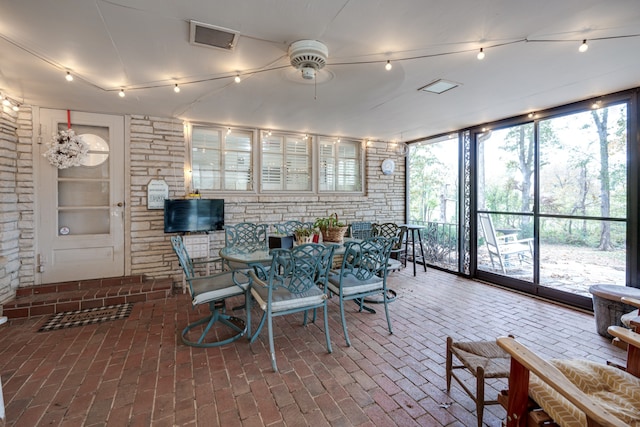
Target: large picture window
column 221, row 159
column 286, row 162
column 340, row 165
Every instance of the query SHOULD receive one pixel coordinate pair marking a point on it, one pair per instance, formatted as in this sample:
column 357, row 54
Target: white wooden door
column 80, row 210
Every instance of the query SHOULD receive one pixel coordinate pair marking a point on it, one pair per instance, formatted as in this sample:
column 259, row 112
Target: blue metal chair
column 363, row 273
column 212, row 290
column 361, row 230
column 248, row 235
column 390, row 230
column 291, row 286
column 288, row 227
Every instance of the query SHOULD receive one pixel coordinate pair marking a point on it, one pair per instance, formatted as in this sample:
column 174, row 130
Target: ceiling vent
column 308, row 56
column 211, row 36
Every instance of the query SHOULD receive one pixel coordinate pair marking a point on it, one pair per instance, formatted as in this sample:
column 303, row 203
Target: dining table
column 245, row 256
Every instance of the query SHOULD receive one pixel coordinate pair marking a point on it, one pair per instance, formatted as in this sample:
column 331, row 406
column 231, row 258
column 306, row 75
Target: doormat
column 89, row 316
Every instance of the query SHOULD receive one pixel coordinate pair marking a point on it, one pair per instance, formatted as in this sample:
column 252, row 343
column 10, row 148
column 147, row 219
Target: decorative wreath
column 66, row 149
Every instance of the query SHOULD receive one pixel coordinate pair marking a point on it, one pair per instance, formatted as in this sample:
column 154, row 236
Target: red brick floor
column 136, row 372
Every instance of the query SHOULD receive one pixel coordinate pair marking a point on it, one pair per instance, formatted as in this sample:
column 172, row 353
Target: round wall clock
column 388, row 166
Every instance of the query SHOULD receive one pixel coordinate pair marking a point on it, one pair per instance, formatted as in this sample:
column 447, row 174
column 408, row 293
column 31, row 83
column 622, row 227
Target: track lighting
column 176, row 88
column 584, row 46
column 237, row 78
column 69, row 77
column 121, row 93
column 480, row 55
column 388, row 66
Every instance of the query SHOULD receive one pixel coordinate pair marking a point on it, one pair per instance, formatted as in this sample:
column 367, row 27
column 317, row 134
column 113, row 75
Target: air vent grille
column 211, row 36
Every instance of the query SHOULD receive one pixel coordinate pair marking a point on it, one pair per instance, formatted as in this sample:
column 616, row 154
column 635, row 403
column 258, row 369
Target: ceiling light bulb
column 388, row 66
column 481, row 54
column 584, row 46
column 176, row 88
column 69, row 77
column 121, row 93
column 16, row 107
column 237, row 78
column 6, row 102
column 228, row 131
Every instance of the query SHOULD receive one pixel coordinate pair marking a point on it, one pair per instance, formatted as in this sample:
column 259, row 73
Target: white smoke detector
column 309, row 56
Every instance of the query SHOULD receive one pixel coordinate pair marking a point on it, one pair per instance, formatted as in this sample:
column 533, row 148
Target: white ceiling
column 143, row 46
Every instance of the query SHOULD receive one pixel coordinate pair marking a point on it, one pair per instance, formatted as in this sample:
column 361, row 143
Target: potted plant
column 303, row 235
column 331, row 228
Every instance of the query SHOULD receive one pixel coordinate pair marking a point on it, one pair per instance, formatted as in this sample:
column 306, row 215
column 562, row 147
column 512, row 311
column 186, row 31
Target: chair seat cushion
column 610, row 387
column 282, row 299
column 351, row 285
column 213, row 288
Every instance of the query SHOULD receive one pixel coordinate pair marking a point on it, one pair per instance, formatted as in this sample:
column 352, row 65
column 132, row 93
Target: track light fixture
column 480, row 55
column 121, row 93
column 584, row 46
column 69, row 77
column 176, row 88
column 388, row 66
column 237, row 78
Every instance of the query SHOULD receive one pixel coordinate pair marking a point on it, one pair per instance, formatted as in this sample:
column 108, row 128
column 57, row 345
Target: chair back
column 246, row 234
column 183, row 256
column 361, row 230
column 367, row 258
column 300, row 268
column 391, row 230
column 488, row 231
column 287, row 228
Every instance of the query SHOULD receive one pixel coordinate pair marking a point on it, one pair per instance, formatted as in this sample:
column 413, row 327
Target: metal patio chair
column 291, row 286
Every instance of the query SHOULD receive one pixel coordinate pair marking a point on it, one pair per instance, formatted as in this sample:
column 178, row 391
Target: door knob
column 120, row 204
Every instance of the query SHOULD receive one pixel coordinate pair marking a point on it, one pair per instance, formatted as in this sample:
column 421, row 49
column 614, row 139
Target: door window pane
column 83, row 191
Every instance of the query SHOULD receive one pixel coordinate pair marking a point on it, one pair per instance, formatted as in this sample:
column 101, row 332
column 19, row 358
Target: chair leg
column 344, row 323
column 449, row 363
column 480, row 395
column 326, row 326
column 259, row 328
column 247, row 304
column 235, row 324
column 386, row 310
column 272, row 349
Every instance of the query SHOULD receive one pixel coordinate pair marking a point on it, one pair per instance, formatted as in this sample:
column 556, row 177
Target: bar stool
column 483, row 359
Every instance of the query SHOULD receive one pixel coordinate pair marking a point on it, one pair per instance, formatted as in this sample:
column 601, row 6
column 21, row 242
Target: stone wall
column 158, row 150
column 9, row 214
column 155, row 149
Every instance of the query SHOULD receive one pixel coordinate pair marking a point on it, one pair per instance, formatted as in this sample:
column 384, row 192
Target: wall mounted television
column 193, row 215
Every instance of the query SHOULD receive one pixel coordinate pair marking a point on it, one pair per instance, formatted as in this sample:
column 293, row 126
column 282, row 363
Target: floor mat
column 89, row 316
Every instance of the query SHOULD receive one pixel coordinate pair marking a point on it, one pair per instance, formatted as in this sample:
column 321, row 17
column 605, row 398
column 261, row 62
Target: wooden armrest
column 631, row 301
column 524, row 361
column 626, row 335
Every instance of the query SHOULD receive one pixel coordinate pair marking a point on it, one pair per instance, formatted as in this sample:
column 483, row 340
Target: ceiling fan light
column 308, row 73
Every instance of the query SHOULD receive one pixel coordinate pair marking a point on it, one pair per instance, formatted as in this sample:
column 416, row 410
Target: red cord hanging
column 68, row 119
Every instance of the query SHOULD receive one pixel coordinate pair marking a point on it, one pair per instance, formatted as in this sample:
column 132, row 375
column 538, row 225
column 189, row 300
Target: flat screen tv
column 193, row 215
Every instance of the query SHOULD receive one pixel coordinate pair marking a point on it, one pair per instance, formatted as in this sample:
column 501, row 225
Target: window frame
column 359, row 160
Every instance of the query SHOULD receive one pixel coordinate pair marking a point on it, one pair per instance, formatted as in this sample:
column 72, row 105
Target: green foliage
column 330, row 221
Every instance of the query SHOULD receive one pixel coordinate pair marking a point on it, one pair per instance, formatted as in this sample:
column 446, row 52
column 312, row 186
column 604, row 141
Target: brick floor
column 136, row 371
